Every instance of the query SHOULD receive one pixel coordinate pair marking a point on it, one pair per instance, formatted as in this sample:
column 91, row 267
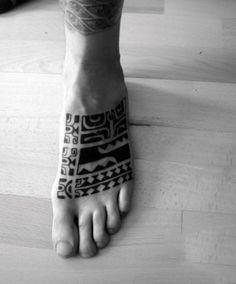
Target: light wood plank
column 166, row 176
column 181, row 46
column 173, row 31
column 177, row 186
column 194, row 64
column 183, row 104
column 29, row 225
column 229, row 32
column 177, row 63
column 184, row 137
column 169, row 103
column 23, row 55
column 184, row 146
column 201, row 8
column 150, row 6
column 210, row 238
column 182, row 168
column 130, row 264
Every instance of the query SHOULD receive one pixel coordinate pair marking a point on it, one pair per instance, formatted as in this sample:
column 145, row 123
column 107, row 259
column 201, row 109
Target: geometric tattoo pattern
column 96, row 153
column 69, row 156
column 92, row 16
column 72, row 129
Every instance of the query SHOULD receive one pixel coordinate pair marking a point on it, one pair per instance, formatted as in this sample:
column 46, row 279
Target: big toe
column 64, row 249
column 64, row 234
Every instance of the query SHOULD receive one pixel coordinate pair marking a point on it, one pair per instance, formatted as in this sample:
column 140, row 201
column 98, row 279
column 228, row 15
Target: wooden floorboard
column 179, row 60
column 131, row 6
column 199, row 237
column 29, row 224
column 210, row 238
column 169, row 103
column 201, row 8
column 43, row 266
column 183, row 135
column 175, row 63
column 40, row 265
column 172, row 45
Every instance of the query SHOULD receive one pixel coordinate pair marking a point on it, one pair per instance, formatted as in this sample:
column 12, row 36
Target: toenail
column 64, row 249
column 85, row 255
column 90, row 253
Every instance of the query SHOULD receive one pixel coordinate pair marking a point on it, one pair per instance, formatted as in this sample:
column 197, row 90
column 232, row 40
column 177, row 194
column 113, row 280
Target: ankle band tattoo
column 96, row 153
column 92, row 16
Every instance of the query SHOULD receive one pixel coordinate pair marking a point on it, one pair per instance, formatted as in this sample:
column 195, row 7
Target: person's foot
column 93, row 186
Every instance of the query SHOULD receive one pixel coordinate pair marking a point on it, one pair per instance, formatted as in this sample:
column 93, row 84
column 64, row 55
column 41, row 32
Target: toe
column 125, row 198
column 87, row 247
column 64, row 249
column 100, row 235
column 113, row 218
column 64, row 234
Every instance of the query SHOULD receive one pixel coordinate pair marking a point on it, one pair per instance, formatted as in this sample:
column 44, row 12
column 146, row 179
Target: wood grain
column 179, row 60
column 169, row 103
column 37, row 265
column 29, row 225
column 180, row 46
column 132, row 6
column 183, row 133
column 210, row 238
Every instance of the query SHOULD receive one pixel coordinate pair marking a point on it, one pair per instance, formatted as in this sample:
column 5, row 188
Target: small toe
column 64, row 234
column 113, row 218
column 124, row 198
column 100, row 235
column 87, row 247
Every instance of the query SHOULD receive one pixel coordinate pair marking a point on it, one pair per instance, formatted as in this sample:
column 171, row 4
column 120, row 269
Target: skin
column 96, row 153
column 90, row 17
column 85, row 215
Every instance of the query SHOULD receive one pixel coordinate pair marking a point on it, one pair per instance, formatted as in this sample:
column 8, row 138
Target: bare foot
column 93, row 186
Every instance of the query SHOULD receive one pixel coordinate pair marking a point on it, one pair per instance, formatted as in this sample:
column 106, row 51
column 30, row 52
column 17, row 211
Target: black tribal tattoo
column 92, row 16
column 102, row 158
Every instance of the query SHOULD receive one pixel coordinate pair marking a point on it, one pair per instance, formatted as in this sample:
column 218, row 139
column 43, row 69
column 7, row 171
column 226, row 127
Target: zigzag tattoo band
column 92, row 16
column 96, row 153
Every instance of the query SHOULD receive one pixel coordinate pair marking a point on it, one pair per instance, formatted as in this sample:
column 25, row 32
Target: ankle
column 84, row 64
column 92, row 87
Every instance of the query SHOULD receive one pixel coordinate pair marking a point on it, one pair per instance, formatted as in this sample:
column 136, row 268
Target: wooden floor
column 179, row 58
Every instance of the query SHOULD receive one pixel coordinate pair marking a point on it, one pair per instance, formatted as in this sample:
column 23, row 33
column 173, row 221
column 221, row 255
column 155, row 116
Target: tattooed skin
column 91, row 16
column 96, row 153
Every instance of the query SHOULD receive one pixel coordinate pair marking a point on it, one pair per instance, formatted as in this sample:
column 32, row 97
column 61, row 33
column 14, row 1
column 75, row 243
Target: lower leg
column 93, row 183
column 92, row 69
